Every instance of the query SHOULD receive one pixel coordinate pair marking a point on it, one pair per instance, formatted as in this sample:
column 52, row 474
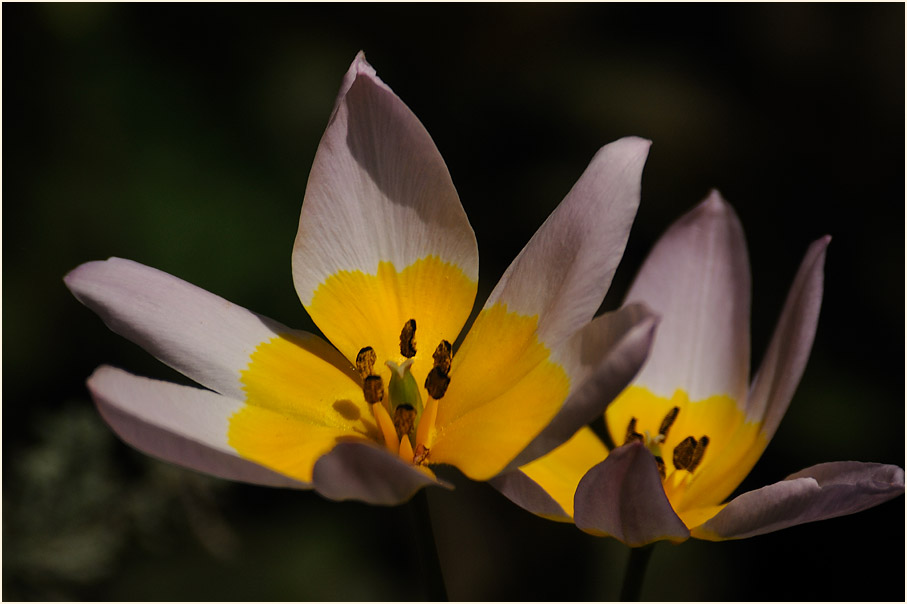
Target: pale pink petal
column 697, row 278
column 823, row 491
column 787, row 354
column 565, row 270
column 196, row 332
column 601, row 360
column 180, row 424
column 378, row 191
column 622, row 497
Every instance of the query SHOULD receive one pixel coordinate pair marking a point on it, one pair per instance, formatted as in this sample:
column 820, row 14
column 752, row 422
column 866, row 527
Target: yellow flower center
column 703, row 448
column 406, row 425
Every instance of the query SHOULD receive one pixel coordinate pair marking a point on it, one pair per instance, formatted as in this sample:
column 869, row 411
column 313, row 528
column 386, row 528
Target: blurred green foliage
column 181, row 136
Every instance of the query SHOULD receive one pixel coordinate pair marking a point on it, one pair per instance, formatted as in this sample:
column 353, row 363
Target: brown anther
column 408, row 339
column 437, row 382
column 404, row 420
column 373, row 389
column 688, row 454
column 443, row 355
column 668, row 421
column 365, row 361
column 660, row 463
column 420, row 455
column 632, row 434
column 699, row 452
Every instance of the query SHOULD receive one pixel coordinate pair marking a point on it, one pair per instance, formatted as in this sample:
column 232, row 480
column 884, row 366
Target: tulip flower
column 691, row 426
column 386, row 264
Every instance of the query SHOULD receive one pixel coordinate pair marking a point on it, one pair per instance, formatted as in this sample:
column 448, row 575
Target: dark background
column 181, row 136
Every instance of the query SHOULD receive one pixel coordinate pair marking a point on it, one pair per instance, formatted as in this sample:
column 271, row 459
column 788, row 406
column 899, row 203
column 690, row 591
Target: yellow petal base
column 299, row 405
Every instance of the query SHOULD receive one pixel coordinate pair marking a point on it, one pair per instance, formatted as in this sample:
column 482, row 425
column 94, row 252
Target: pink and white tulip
column 692, row 425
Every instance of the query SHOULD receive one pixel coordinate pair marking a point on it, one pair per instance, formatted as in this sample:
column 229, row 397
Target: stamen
column 365, row 361
column 437, row 382
column 688, row 454
column 386, row 425
column 425, row 430
column 668, row 421
column 408, row 339
column 404, row 420
column 406, row 450
column 443, row 355
column 632, row 434
column 699, row 452
column 660, row 463
column 373, row 389
column 420, row 454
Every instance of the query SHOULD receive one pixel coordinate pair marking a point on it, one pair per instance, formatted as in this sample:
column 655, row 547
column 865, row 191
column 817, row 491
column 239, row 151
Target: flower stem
column 631, row 590
column 429, row 562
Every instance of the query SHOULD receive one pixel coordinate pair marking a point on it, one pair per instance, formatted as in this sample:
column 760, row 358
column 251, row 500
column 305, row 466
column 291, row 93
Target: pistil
column 405, row 424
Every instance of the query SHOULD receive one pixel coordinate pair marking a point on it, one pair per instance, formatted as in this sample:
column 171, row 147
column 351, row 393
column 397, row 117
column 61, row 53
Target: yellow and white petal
column 546, row 486
column 180, row 424
column 785, row 359
column 563, row 273
column 772, row 388
column 224, row 437
column 601, row 360
column 504, row 389
column 697, row 278
column 199, row 334
column 382, row 235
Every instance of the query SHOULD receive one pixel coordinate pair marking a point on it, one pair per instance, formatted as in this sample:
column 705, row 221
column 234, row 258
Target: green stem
column 636, row 571
column 429, row 562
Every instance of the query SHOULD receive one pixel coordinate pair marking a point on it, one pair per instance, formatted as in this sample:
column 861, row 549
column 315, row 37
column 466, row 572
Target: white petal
column 697, row 278
column 180, row 424
column 784, row 362
column 823, row 491
column 196, row 332
column 378, row 191
column 565, row 270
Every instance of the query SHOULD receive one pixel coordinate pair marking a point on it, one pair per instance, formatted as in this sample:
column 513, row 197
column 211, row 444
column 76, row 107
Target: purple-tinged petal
column 366, row 472
column 622, row 497
column 787, row 353
column 565, row 270
column 378, row 191
column 180, row 424
column 601, row 359
column 823, row 491
column 199, row 334
column 697, row 278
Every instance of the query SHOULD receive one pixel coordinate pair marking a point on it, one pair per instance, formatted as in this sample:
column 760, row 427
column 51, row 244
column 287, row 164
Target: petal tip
column 715, row 203
column 632, row 145
column 77, row 277
column 361, row 66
